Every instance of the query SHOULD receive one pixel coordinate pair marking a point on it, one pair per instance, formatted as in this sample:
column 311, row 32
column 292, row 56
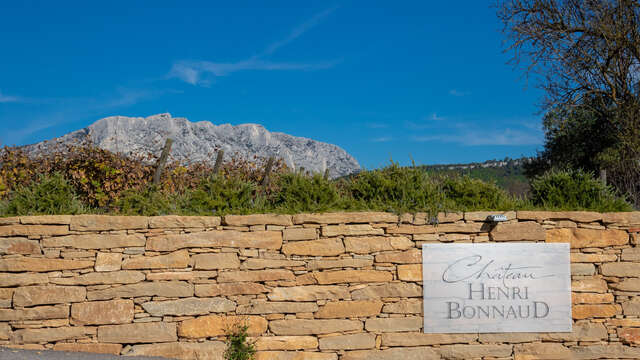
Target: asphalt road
column 13, row 354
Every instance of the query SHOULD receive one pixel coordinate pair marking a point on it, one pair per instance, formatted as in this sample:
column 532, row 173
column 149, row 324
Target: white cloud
column 435, row 117
column 458, row 93
column 382, row 139
column 502, row 137
column 202, row 73
column 8, row 99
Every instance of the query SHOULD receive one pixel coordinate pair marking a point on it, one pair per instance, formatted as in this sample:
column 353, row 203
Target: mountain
column 199, row 141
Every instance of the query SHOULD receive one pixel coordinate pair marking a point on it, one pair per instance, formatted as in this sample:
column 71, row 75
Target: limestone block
column 349, row 309
column 102, row 312
column 322, row 247
column 216, row 325
column 47, row 294
column 189, row 306
column 217, row 238
column 149, row 332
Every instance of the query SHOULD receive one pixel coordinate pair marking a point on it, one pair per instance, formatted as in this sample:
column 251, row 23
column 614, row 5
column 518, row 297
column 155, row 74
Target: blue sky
column 403, row 79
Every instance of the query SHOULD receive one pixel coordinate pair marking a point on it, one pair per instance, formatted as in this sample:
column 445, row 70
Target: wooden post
column 162, row 161
column 216, row 167
column 603, row 176
column 267, row 170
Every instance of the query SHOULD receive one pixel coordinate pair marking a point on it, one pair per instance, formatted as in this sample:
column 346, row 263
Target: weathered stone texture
column 464, row 352
column 215, row 325
column 151, row 332
column 286, row 343
column 7, row 280
column 412, row 272
column 35, row 313
column 522, row 231
column 343, row 218
column 595, row 311
column 294, row 234
column 216, row 261
column 204, row 290
column 208, row 350
column 413, row 256
column 295, row 355
column 108, row 261
column 348, row 342
column 105, row 223
column 389, row 290
column 255, row 276
column 340, row 263
column 413, row 353
column 350, row 230
column 537, row 351
column 33, row 230
column 95, row 241
column 42, row 265
column 411, row 323
column 349, row 309
column 174, row 260
column 101, row 278
column 42, row 295
column 374, row 244
column 352, row 276
column 102, row 312
column 582, row 238
column 35, row 336
column 621, row 269
column 323, row 247
column 46, row 220
column 19, row 245
column 190, row 306
column 309, row 293
column 173, row 221
column 276, row 307
column 165, row 289
column 257, row 264
column 313, row 327
column 421, row 339
column 217, row 238
column 258, row 219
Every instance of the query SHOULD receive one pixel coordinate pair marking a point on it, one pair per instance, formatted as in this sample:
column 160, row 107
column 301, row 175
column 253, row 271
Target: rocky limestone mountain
column 199, row 141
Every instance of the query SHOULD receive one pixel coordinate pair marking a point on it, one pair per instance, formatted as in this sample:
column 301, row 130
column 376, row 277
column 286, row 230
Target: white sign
column 486, row 288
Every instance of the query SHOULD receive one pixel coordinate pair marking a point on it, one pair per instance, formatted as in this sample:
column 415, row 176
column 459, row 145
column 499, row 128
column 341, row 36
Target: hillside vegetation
column 86, row 179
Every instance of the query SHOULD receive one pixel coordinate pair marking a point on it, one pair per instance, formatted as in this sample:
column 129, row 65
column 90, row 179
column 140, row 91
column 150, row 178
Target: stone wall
column 310, row 286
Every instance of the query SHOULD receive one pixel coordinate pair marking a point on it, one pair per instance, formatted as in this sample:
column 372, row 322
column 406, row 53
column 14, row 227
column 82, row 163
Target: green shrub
column 397, row 189
column 219, row 195
column 49, row 195
column 301, row 193
column 149, row 201
column 576, row 190
column 465, row 193
column 238, row 348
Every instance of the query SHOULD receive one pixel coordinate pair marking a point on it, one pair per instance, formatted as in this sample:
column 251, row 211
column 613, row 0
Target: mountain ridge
column 199, row 141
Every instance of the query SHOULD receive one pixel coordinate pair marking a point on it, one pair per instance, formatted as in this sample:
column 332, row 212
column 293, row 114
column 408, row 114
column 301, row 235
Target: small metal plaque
column 489, row 288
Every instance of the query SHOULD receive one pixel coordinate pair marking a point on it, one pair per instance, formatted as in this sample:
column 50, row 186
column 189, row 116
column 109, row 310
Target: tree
column 585, row 54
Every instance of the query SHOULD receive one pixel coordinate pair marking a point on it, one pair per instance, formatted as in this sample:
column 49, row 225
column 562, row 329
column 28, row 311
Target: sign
column 487, row 288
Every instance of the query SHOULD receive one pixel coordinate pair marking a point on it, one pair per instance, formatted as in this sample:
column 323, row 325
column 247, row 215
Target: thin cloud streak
column 75, row 109
column 382, row 139
column 200, row 72
column 458, row 93
column 8, row 99
column 506, row 137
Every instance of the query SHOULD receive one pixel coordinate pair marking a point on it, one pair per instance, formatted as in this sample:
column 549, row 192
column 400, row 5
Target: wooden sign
column 488, row 288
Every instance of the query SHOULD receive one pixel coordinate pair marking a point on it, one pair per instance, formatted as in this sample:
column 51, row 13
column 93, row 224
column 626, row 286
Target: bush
column 397, row 189
column 575, row 189
column 468, row 194
column 50, row 195
column 218, row 195
column 300, row 193
column 238, row 348
column 149, row 201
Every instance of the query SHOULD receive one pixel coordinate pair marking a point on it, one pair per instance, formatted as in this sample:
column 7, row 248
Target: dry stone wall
column 310, row 286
